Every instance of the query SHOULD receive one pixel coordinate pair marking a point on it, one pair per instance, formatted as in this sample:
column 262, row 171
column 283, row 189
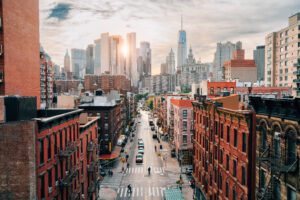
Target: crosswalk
column 142, row 170
column 141, row 192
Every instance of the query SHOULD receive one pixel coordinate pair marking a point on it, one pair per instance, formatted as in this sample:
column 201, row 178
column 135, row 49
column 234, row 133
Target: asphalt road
column 144, row 186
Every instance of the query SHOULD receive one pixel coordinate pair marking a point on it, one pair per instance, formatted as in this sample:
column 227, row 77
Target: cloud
column 158, row 21
column 60, row 11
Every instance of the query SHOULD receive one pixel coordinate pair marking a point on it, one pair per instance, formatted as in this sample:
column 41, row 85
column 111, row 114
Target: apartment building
column 224, row 151
column 182, row 112
column 277, row 149
column 282, row 51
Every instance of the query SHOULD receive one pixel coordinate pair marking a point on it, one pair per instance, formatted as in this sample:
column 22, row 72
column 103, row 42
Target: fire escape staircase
column 278, row 167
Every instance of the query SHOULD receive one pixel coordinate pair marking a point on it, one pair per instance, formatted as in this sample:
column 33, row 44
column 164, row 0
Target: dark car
column 152, row 128
column 102, row 173
column 154, row 136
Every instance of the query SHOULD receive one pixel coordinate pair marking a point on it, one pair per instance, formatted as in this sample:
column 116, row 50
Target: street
column 164, row 174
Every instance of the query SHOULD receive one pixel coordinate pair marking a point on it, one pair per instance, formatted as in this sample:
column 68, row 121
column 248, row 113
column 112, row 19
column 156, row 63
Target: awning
column 113, row 155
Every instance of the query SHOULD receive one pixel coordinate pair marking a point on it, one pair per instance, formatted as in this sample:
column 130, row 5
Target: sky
column 66, row 24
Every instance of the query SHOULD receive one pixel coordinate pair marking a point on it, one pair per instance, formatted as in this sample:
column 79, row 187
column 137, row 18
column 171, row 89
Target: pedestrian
column 123, row 169
column 127, row 165
column 111, row 173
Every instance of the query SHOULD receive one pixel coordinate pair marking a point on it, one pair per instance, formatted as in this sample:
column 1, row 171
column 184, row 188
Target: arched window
column 234, row 193
column 263, row 137
column 291, row 147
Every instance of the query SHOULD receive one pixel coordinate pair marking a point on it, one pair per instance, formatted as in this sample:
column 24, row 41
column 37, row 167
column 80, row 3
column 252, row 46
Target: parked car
column 154, row 136
column 141, row 150
column 139, row 158
column 102, row 173
column 152, row 128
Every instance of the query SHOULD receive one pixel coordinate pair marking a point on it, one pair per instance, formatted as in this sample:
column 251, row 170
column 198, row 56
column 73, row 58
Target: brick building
column 47, row 79
column 212, row 89
column 240, row 68
column 109, row 108
column 66, row 86
column 182, row 112
column 55, row 153
column 224, row 151
column 268, row 92
column 107, row 82
column 277, row 150
column 19, row 48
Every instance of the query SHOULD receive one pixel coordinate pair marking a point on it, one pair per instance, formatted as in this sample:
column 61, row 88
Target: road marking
column 118, row 190
column 133, row 190
column 150, row 192
column 157, row 191
column 142, row 191
column 162, row 191
column 121, row 192
column 137, row 191
column 126, row 191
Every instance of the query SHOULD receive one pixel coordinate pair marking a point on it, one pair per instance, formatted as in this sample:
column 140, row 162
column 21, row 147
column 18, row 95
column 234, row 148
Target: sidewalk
column 172, row 167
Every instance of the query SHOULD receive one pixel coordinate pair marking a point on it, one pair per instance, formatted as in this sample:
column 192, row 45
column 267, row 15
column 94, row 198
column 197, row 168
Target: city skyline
column 64, row 24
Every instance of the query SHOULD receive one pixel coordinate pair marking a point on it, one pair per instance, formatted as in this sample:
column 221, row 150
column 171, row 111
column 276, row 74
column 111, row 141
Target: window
column 263, row 138
column 49, row 147
column 243, row 175
column 50, row 178
column 216, row 175
column 227, row 189
column 262, row 179
column 221, row 130
column 286, row 70
column 228, row 134
column 244, row 142
column 61, row 139
column 221, row 156
column 184, row 114
column 235, row 136
column 216, row 152
column 42, row 181
column 216, row 128
column 291, row 193
column 233, row 194
column 220, row 181
column 210, row 179
column 56, row 172
column 227, row 162
column 285, row 78
column 184, row 139
column 41, row 152
column 106, row 126
column 184, row 125
column 55, row 144
column 234, row 167
column 211, row 90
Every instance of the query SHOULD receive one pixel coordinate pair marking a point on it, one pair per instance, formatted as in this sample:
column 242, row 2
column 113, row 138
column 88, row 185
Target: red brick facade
column 107, row 82
column 19, row 40
column 62, row 86
column 214, row 88
column 224, row 152
column 67, row 169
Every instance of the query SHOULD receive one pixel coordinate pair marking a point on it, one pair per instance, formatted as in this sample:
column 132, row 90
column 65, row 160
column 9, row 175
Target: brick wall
column 17, row 166
column 21, row 48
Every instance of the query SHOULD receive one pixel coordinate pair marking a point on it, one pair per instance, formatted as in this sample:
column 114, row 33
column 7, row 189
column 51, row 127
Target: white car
column 140, row 150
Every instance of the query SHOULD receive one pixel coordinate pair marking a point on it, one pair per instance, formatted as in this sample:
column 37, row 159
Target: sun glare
column 125, row 50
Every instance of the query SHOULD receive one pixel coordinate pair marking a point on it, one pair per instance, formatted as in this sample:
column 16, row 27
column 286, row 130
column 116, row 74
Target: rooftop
column 182, row 102
column 49, row 115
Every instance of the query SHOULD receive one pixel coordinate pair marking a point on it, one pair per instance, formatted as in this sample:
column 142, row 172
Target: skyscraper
column 67, row 62
column 97, row 57
column 170, row 61
column 78, row 57
column 145, row 53
column 19, row 49
column 222, row 54
column 116, row 55
column 131, row 59
column 182, row 48
column 259, row 57
column 282, row 55
column 90, row 59
column 105, row 52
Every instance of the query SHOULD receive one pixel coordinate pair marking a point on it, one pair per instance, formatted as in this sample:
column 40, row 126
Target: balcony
column 92, row 187
column 90, row 147
column 67, row 180
column 91, row 167
column 296, row 88
column 68, row 151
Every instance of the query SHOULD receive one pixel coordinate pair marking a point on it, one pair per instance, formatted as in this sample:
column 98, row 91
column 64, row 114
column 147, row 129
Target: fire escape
column 278, row 166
